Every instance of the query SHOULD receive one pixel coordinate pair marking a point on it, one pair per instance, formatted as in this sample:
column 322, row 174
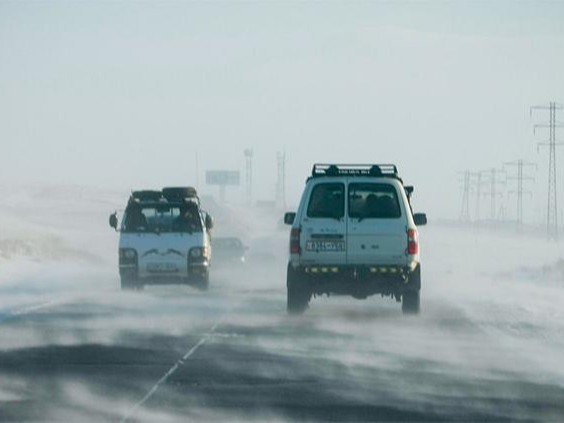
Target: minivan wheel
column 298, row 294
column 203, row 281
column 128, row 284
column 410, row 302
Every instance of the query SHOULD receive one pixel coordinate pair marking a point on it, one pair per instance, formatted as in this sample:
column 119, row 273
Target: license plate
column 326, row 246
column 162, row 267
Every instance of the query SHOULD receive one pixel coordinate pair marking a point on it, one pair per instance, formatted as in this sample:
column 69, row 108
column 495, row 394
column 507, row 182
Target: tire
column 130, row 284
column 411, row 299
column 203, row 282
column 298, row 294
column 410, row 302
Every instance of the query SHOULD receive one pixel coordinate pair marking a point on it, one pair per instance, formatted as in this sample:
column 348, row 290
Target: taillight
column 412, row 241
column 295, row 241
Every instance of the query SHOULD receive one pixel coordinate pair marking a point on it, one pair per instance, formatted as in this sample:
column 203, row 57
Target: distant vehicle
column 354, row 234
column 229, row 251
column 164, row 238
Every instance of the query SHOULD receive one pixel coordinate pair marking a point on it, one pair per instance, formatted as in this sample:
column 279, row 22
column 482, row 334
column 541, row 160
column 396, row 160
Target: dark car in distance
column 228, row 251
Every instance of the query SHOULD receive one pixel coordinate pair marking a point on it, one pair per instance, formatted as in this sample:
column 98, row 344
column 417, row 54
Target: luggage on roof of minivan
column 147, row 195
column 171, row 193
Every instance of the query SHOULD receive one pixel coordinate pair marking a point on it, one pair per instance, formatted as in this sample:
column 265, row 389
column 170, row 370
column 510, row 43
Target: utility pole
column 520, row 178
column 551, row 143
column 478, row 193
column 465, row 208
column 281, row 179
column 248, row 153
column 494, row 181
column 478, row 183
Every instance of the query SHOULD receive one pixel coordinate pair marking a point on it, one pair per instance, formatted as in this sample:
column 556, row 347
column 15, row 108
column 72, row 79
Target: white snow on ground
column 54, row 241
column 62, row 231
column 492, row 301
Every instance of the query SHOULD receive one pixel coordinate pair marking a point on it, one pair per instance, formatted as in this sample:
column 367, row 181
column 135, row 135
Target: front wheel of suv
column 298, row 294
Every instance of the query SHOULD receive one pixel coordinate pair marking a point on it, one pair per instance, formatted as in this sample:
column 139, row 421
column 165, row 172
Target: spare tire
column 175, row 193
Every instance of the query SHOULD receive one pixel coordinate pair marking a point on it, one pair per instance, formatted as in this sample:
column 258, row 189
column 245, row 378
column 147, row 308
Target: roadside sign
column 223, row 177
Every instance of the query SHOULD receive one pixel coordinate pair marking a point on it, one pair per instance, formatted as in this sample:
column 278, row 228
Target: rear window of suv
column 376, row 201
column 327, row 201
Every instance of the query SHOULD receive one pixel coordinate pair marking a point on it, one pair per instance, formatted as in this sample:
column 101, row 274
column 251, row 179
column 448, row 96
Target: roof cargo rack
column 386, row 170
column 147, row 195
column 179, row 193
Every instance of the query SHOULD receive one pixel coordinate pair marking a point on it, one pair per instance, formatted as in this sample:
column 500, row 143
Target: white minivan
column 164, row 238
column 354, row 233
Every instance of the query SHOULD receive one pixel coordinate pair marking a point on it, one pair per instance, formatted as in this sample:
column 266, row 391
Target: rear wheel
column 411, row 300
column 298, row 294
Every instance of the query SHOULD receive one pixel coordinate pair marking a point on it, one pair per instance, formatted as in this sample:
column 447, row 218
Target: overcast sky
column 125, row 94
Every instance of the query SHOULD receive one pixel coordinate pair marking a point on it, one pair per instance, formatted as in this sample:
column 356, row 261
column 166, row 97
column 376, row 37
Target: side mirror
column 420, row 219
column 113, row 221
column 209, row 222
column 289, row 218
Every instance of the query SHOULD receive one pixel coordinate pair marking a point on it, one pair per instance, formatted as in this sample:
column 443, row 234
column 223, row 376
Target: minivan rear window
column 376, row 201
column 327, row 201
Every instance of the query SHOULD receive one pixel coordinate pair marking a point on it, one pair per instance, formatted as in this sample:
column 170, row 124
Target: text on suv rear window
column 370, row 200
column 327, row 200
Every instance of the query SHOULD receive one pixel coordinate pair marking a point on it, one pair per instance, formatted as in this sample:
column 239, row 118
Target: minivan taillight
column 412, row 241
column 295, row 241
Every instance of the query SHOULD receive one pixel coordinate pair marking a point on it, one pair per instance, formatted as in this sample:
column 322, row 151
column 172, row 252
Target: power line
column 479, row 182
column 551, row 209
column 478, row 193
column 465, row 207
column 494, row 181
column 520, row 178
column 470, row 180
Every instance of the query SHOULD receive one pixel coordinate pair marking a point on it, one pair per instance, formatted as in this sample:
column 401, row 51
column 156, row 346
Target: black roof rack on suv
column 320, row 170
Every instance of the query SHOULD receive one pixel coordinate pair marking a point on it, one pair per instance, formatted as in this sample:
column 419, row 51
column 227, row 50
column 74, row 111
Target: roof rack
column 385, row 170
column 168, row 194
column 179, row 193
column 147, row 195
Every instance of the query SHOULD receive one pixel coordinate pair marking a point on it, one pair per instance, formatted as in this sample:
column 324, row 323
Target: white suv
column 164, row 238
column 354, row 234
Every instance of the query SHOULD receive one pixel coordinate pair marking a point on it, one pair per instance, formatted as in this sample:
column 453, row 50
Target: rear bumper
column 356, row 280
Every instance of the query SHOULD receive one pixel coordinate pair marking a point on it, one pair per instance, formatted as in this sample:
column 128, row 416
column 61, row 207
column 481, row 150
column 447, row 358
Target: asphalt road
column 477, row 352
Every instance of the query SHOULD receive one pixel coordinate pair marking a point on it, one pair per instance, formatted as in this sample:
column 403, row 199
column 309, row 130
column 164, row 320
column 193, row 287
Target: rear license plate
column 162, row 267
column 327, row 246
